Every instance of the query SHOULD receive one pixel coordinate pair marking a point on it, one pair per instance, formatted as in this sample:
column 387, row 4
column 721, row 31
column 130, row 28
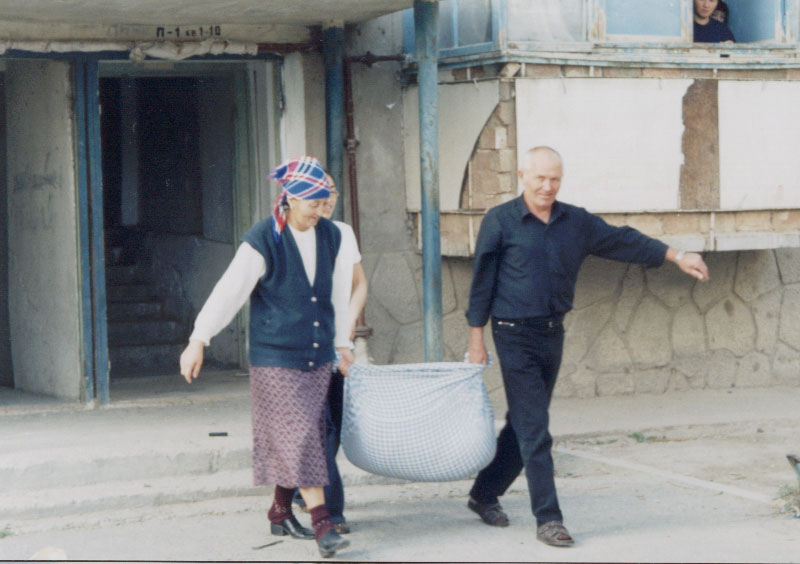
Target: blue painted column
column 333, row 59
column 426, row 41
column 92, row 254
column 95, row 166
column 84, row 226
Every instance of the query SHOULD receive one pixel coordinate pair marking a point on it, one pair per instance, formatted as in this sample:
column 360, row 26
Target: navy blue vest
column 292, row 321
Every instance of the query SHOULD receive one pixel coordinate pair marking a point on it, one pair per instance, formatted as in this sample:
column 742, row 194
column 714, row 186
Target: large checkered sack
column 429, row 422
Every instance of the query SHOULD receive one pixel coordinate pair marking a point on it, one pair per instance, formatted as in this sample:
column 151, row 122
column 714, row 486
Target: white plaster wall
column 464, row 109
column 44, row 309
column 620, row 138
column 293, row 122
column 759, row 123
column 313, row 81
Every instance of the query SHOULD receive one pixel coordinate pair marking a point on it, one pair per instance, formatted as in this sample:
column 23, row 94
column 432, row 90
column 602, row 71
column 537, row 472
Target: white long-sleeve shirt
column 248, row 265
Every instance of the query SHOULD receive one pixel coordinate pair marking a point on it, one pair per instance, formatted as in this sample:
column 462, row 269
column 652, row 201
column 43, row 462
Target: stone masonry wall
column 636, row 330
column 632, row 331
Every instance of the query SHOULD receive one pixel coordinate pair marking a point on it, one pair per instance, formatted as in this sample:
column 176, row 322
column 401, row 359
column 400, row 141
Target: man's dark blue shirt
column 525, row 268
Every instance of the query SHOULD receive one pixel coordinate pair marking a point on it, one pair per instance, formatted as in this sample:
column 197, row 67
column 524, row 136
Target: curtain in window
column 545, row 20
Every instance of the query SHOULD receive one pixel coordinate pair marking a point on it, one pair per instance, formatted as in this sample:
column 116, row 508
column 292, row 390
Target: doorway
column 179, row 151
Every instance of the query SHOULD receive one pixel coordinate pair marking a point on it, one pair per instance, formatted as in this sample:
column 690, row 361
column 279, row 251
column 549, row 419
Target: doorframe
column 90, row 220
column 88, row 170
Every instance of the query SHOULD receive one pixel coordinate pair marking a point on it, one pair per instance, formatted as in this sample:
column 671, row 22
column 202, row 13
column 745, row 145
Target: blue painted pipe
column 333, row 59
column 84, row 226
column 426, row 41
column 95, row 170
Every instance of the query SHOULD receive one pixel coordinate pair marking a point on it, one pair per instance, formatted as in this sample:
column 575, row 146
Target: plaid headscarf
column 302, row 178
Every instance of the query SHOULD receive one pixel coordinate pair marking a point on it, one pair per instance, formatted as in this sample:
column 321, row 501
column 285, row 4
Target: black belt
column 551, row 321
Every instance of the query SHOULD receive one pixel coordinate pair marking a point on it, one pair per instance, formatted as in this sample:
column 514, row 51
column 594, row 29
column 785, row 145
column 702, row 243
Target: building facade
column 689, row 143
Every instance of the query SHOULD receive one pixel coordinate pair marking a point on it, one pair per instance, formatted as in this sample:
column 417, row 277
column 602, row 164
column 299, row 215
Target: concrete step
column 141, row 492
column 127, row 359
column 145, row 332
column 126, row 293
column 135, row 311
column 92, row 483
column 43, row 470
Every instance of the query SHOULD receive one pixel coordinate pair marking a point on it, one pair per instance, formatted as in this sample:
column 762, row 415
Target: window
column 546, row 20
column 751, row 21
column 474, row 27
column 465, row 26
column 644, row 20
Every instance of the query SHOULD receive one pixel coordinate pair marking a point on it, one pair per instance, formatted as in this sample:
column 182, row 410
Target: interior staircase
column 145, row 336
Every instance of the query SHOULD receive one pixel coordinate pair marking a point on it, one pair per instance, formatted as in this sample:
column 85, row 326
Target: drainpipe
column 332, row 56
column 363, row 331
column 426, row 29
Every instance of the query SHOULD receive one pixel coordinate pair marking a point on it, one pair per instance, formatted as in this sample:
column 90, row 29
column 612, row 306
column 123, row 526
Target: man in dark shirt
column 527, row 257
column 706, row 28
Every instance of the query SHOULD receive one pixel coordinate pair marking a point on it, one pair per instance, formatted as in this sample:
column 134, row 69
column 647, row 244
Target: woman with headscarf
column 299, row 298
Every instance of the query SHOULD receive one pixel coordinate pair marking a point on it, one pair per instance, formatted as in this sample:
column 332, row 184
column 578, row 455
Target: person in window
column 721, row 13
column 706, row 28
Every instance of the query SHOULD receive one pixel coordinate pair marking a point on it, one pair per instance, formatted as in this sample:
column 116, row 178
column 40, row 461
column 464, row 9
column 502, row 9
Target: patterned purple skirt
column 288, row 409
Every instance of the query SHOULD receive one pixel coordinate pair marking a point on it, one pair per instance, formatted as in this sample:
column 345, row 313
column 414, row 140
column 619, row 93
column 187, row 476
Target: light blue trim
column 467, row 50
column 500, row 23
column 408, row 31
column 84, row 258
column 454, row 13
column 95, row 167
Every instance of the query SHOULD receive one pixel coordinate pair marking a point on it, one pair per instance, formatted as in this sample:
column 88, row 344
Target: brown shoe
column 554, row 533
column 491, row 513
column 342, row 528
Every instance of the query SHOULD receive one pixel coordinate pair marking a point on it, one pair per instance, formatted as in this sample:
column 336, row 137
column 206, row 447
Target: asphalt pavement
column 693, row 476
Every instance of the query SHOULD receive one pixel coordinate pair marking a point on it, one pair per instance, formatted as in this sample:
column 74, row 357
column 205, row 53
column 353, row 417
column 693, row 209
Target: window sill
column 680, row 55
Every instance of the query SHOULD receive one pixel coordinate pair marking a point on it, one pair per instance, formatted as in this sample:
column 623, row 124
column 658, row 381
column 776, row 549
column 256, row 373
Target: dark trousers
column 334, row 491
column 530, row 355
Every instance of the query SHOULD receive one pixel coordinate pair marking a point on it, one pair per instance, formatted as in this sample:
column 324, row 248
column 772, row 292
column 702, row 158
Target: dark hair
column 723, row 7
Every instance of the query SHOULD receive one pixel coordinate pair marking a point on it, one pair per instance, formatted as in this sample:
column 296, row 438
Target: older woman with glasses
column 287, row 265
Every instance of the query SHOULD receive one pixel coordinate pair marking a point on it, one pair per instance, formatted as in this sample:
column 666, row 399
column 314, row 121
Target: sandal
column 554, row 533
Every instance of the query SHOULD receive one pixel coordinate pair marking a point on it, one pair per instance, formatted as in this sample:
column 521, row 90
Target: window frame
column 499, row 23
column 785, row 27
column 599, row 47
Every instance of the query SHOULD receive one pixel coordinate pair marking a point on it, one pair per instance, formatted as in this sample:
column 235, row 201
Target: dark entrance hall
column 168, row 183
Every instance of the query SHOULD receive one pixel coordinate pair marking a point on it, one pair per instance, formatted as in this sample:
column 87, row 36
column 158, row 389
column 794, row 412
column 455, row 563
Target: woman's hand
column 346, row 360
column 192, row 360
